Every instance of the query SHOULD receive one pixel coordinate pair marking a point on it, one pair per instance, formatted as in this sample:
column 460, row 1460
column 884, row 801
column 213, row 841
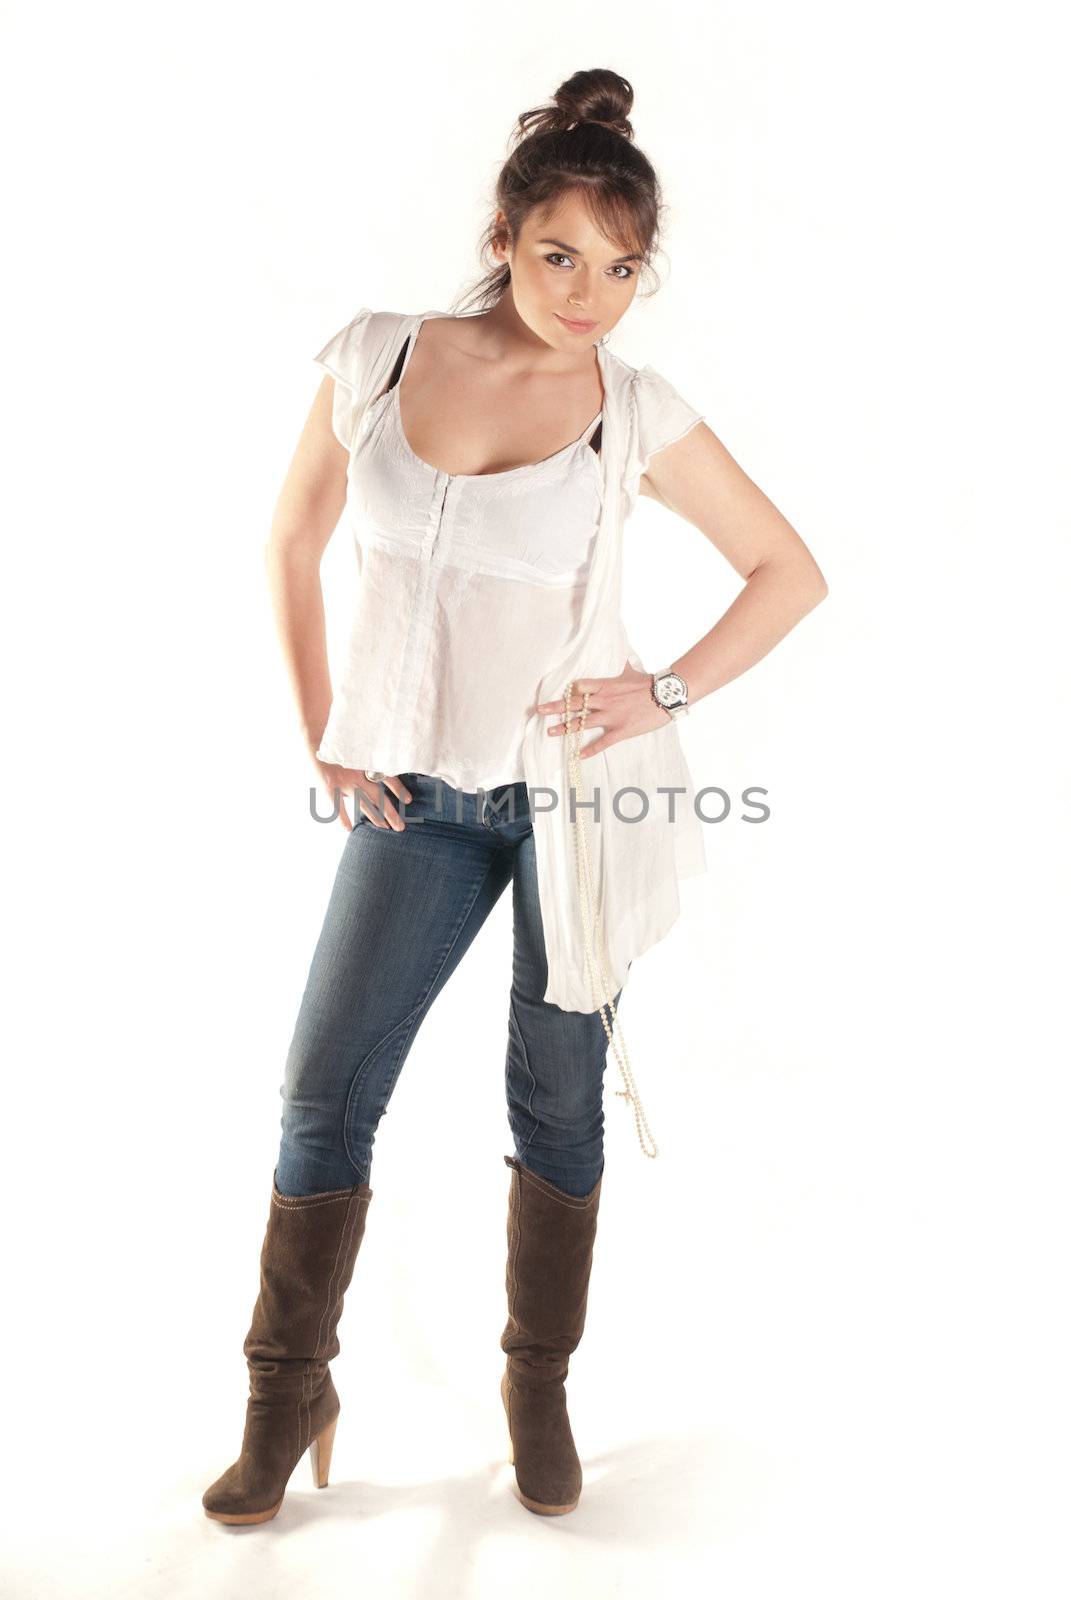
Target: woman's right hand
column 366, row 794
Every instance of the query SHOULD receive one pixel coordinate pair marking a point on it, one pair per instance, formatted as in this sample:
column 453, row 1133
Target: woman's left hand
column 621, row 706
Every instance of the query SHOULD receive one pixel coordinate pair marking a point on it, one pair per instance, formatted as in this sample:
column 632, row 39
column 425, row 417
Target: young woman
column 486, row 462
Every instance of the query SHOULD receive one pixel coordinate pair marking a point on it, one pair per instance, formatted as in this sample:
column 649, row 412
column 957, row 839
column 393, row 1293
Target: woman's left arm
column 698, row 479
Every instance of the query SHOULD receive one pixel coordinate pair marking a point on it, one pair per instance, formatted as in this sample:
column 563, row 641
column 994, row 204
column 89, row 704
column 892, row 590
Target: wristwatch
column 669, row 690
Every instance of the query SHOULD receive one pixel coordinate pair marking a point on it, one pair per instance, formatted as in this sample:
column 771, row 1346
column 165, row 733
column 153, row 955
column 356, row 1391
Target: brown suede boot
column 551, row 1239
column 306, row 1263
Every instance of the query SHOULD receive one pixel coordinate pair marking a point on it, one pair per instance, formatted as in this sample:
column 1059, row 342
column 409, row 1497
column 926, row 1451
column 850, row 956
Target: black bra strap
column 396, row 374
column 596, row 439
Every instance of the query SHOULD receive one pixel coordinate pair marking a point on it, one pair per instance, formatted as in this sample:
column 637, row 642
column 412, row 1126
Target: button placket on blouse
column 414, row 652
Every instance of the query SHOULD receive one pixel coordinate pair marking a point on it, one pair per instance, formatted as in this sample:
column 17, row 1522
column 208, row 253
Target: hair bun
column 599, row 96
column 596, row 97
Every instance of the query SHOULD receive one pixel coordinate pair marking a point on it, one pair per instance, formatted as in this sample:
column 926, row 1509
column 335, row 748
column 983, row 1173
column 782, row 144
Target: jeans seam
column 522, row 1152
column 409, row 1021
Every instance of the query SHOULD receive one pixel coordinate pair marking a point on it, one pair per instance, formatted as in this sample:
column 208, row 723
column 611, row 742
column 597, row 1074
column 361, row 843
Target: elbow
column 807, row 583
column 810, row 592
column 817, row 587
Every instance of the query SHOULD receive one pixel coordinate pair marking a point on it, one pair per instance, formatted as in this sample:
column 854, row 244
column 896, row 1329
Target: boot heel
column 320, row 1451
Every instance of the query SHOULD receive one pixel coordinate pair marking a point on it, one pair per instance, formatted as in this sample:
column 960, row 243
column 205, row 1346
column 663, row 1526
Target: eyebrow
column 573, row 251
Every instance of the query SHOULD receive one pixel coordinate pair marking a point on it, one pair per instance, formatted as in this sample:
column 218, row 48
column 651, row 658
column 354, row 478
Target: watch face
column 670, row 690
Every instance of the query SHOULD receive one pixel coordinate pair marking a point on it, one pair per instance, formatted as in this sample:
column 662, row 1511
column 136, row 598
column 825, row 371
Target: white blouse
column 466, row 581
column 483, row 596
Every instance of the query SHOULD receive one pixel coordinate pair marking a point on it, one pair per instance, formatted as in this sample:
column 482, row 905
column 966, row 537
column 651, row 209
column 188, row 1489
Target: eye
column 556, row 256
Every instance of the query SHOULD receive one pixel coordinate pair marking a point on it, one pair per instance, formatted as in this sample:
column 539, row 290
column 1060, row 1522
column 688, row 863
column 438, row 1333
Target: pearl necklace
column 591, row 927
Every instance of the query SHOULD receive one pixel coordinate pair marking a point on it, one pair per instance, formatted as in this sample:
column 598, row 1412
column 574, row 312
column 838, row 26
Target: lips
column 579, row 326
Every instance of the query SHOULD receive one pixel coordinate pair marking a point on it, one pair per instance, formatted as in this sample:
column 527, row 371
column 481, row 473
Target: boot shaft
column 306, row 1265
column 550, row 1246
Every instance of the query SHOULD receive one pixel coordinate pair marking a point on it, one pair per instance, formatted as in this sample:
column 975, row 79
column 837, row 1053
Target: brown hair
column 583, row 141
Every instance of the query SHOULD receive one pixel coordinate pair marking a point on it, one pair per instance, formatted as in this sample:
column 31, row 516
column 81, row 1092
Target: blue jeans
column 404, row 908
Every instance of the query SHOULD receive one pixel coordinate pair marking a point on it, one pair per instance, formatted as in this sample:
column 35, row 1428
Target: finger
column 396, row 786
column 581, row 686
column 369, row 804
column 576, row 705
column 373, row 797
column 388, row 813
column 595, row 702
column 573, row 722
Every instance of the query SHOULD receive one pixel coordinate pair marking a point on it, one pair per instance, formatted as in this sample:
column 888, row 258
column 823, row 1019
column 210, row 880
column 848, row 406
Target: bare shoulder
column 464, row 334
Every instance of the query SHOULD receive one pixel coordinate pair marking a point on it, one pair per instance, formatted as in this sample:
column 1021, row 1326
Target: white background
column 826, row 1350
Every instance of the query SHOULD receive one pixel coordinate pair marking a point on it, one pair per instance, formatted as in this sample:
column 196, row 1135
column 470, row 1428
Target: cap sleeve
column 342, row 357
column 662, row 417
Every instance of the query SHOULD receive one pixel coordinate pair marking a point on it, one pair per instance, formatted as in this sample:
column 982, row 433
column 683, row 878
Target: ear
column 502, row 242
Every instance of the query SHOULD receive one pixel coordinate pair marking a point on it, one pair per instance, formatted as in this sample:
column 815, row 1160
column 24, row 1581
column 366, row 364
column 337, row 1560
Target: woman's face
column 564, row 270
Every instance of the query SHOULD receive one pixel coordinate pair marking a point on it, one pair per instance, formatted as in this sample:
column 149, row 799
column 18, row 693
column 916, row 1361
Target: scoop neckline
column 507, row 472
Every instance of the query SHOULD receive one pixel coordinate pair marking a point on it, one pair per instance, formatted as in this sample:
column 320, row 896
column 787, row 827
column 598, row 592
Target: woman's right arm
column 306, row 514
